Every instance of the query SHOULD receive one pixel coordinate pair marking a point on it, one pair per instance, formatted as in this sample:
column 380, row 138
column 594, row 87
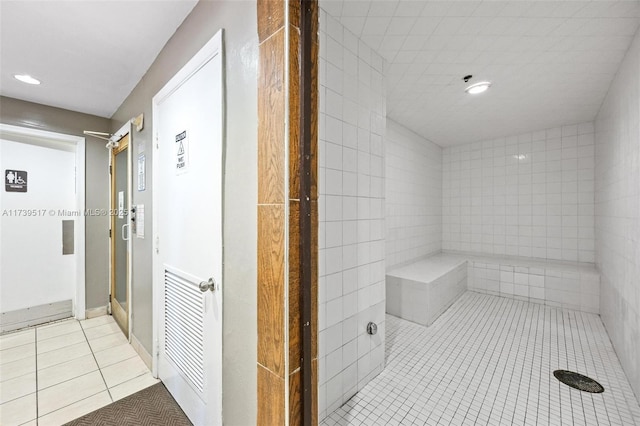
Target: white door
column 187, row 120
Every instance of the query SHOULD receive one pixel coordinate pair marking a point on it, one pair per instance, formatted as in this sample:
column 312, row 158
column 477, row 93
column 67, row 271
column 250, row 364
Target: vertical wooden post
column 287, row 212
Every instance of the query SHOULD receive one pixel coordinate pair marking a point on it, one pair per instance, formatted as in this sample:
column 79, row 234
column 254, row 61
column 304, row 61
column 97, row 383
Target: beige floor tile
column 57, row 329
column 115, row 354
column 61, row 355
column 109, row 341
column 69, row 381
column 11, row 370
column 61, row 341
column 75, row 410
column 132, row 386
column 101, row 331
column 124, row 371
column 95, row 322
column 19, row 338
column 18, row 387
column 66, row 371
column 17, row 353
column 18, row 411
column 69, row 392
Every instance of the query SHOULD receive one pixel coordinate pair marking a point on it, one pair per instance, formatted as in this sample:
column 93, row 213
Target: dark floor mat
column 153, row 406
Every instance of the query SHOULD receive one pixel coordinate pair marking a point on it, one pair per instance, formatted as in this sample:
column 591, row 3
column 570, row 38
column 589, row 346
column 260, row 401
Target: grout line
column 59, row 335
column 74, row 402
column 74, row 357
column 72, row 378
column 132, row 378
column 96, row 361
column 97, row 325
column 8, row 349
column 35, row 334
column 117, row 362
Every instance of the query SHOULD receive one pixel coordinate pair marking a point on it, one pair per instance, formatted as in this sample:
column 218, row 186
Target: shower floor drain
column 578, row 381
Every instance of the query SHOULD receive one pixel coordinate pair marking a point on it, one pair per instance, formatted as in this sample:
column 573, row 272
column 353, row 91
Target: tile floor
column 489, row 361
column 54, row 373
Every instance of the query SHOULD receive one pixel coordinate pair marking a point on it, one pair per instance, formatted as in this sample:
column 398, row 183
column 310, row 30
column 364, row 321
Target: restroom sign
column 15, row 181
column 182, row 152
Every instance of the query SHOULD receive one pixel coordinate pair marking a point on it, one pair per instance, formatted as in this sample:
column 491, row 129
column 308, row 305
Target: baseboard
column 35, row 315
column 142, row 352
column 95, row 312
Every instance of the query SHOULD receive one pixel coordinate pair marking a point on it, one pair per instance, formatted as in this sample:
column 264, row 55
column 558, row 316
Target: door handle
column 125, row 235
column 207, row 285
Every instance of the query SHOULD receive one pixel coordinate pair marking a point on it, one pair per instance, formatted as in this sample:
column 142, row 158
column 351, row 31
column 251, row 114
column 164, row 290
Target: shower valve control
column 372, row 328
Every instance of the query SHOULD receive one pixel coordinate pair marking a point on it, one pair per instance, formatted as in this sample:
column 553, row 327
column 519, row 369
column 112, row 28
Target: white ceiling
column 551, row 62
column 89, row 55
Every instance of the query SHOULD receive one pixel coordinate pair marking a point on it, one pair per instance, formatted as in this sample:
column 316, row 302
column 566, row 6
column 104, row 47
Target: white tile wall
column 529, row 195
column 351, row 189
column 618, row 212
column 413, row 195
column 557, row 284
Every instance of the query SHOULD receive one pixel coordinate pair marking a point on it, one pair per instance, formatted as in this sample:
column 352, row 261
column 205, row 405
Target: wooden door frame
column 125, row 131
column 287, row 266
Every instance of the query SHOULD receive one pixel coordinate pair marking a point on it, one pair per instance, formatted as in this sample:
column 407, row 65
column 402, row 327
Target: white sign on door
column 182, row 153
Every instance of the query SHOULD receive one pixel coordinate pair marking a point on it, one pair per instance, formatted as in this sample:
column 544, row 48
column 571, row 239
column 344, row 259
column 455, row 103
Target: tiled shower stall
column 551, row 216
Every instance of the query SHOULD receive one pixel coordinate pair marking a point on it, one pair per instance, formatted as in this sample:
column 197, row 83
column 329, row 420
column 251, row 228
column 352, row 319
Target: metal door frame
column 60, row 139
column 121, row 133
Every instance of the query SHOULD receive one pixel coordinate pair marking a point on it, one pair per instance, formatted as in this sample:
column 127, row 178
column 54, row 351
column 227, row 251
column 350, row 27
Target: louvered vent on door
column 183, row 327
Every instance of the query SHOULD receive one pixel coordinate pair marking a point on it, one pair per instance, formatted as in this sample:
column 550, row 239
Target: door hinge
column 109, row 232
column 110, row 169
column 157, row 245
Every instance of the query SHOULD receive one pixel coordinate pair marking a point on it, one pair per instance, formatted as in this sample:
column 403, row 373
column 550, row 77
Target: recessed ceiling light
column 25, row 78
column 476, row 88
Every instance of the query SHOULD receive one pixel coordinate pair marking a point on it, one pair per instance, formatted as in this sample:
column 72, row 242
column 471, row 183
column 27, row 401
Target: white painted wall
column 413, row 181
column 617, row 211
column 351, row 212
column 528, row 195
column 33, row 270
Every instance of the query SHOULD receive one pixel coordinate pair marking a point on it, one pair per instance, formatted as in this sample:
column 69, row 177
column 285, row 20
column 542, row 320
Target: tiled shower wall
column 413, row 195
column 618, row 213
column 529, row 195
column 351, row 213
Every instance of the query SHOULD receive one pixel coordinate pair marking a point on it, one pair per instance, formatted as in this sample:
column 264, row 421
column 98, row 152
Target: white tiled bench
column 570, row 285
column 421, row 291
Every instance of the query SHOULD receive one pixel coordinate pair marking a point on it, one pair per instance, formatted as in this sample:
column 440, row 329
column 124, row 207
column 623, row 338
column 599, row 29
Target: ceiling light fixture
column 476, row 88
column 26, row 78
